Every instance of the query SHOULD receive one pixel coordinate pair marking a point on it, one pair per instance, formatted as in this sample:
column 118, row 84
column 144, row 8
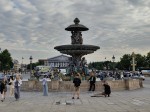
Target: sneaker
column 78, row 98
column 72, row 97
column 2, row 100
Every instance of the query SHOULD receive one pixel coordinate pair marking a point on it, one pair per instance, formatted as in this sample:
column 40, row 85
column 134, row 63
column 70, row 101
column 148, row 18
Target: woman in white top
column 11, row 83
column 17, row 84
column 45, row 86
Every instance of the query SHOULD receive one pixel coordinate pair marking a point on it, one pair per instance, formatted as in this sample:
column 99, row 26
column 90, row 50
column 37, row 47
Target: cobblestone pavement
column 121, row 101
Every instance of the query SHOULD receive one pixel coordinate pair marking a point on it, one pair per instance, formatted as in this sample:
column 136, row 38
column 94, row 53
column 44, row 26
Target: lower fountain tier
column 77, row 49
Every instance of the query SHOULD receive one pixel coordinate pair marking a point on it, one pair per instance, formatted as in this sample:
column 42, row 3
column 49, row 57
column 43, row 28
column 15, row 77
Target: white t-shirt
column 19, row 82
column 44, row 81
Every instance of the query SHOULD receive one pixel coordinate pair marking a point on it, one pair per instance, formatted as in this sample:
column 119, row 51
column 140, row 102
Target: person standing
column 45, row 86
column 77, row 82
column 11, row 83
column 17, row 84
column 3, row 88
column 92, row 80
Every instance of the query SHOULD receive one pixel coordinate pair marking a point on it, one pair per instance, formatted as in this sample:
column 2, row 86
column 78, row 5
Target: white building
column 61, row 61
column 17, row 66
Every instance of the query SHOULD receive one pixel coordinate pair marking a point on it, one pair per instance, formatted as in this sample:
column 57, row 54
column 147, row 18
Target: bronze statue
column 76, row 37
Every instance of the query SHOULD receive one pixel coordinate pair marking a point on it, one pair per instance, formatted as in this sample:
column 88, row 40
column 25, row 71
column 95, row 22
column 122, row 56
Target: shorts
column 77, row 88
column 5, row 89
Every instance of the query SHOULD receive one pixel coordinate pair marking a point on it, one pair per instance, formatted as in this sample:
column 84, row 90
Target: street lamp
column 30, row 65
column 113, row 59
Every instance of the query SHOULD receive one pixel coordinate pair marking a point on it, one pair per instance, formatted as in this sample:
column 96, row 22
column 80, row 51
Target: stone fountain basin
column 77, row 49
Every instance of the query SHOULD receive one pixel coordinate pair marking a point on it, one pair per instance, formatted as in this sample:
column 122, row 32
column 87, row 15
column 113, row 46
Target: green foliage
column 147, row 60
column 5, row 60
column 124, row 63
column 140, row 60
column 33, row 65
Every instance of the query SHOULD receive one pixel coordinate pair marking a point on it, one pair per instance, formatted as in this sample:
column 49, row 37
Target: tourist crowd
column 14, row 82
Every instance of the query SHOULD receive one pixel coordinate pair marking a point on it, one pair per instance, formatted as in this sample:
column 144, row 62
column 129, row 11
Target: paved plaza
column 121, row 101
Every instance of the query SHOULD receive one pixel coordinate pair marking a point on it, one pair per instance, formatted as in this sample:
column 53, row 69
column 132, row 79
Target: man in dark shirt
column 92, row 80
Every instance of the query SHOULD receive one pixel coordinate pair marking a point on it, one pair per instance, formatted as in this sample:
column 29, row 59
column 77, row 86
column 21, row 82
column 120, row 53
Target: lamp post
column 30, row 66
column 113, row 59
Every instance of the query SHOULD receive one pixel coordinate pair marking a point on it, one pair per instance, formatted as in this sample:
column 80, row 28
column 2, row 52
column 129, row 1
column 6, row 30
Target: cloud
column 35, row 27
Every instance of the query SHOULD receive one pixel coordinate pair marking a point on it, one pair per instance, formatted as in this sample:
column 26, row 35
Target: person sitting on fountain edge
column 107, row 89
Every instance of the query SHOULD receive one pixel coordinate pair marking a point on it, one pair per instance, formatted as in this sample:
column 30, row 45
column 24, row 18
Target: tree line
column 142, row 62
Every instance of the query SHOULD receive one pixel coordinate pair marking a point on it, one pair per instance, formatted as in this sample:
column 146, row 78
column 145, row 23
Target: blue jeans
column 45, row 90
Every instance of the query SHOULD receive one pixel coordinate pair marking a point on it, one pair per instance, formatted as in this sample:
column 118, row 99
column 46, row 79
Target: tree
column 140, row 60
column 33, row 65
column 148, row 59
column 119, row 66
column 6, row 60
column 125, row 62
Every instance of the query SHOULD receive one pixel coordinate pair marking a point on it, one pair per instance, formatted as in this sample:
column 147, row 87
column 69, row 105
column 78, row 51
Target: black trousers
column 92, row 86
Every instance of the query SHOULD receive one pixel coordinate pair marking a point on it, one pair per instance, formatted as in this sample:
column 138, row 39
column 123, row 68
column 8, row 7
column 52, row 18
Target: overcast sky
column 35, row 27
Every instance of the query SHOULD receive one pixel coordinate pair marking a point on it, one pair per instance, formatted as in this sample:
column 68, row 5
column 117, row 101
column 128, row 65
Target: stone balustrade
column 67, row 86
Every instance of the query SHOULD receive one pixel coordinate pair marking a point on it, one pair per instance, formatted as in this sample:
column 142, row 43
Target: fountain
column 77, row 49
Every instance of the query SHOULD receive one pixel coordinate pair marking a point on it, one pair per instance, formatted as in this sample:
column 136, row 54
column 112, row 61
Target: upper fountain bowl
column 76, row 26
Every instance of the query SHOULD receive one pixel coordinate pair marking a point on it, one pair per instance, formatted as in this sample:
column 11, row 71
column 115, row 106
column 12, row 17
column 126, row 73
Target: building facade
column 61, row 61
column 16, row 66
